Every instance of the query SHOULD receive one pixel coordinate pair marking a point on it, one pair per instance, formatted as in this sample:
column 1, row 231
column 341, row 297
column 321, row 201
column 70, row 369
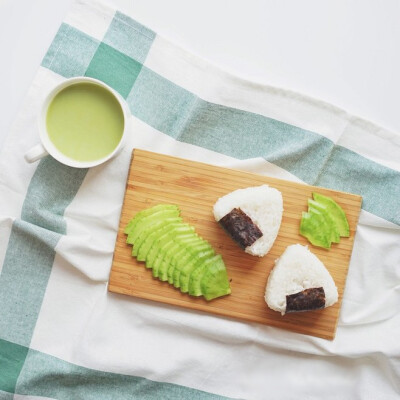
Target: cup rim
column 43, row 133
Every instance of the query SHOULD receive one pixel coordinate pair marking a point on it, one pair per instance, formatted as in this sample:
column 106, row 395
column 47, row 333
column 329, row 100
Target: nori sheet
column 240, row 227
column 307, row 300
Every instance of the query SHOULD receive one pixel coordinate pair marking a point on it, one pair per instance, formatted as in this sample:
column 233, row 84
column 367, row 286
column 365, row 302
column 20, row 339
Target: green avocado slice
column 314, row 206
column 166, row 243
column 169, row 251
column 189, row 264
column 158, row 262
column 197, row 275
column 215, row 282
column 148, row 235
column 147, row 245
column 148, row 211
column 179, row 253
column 146, row 221
column 324, row 223
column 174, row 252
column 148, row 241
column 315, row 229
column 160, row 241
column 337, row 213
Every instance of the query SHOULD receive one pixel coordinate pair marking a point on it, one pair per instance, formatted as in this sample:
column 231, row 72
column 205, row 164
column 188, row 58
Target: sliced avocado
column 159, row 241
column 215, row 282
column 186, row 245
column 145, row 241
column 167, row 248
column 189, row 264
column 178, row 251
column 190, row 254
column 197, row 275
column 146, row 212
column 167, row 253
column 324, row 223
column 146, row 221
column 166, row 242
column 336, row 212
column 315, row 206
column 148, row 230
column 314, row 228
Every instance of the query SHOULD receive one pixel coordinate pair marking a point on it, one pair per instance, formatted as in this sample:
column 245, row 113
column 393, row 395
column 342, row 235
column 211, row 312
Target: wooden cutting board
column 194, row 187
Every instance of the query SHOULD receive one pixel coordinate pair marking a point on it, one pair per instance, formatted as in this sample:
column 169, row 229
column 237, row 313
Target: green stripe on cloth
column 230, row 131
column 380, row 186
column 114, row 68
column 6, row 395
column 30, row 252
column 70, row 52
column 118, row 59
column 23, row 280
column 162, row 104
column 51, row 190
column 129, row 37
column 48, row 376
column 12, row 357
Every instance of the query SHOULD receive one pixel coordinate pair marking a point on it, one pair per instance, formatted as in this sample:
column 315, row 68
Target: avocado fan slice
column 197, row 275
column 323, row 223
column 336, row 212
column 165, row 243
column 314, row 206
column 313, row 227
column 169, row 249
column 215, row 282
column 144, row 243
column 194, row 262
column 149, row 231
column 148, row 211
column 183, row 258
column 178, row 252
column 146, row 221
column 159, row 242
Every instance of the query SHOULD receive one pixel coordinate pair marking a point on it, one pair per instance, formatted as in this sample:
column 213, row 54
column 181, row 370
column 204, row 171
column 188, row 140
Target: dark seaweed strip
column 240, row 227
column 307, row 300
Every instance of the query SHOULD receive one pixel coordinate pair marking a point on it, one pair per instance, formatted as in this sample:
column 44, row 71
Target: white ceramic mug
column 47, row 147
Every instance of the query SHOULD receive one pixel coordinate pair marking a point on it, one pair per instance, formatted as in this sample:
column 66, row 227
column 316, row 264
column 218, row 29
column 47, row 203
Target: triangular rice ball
column 252, row 217
column 299, row 282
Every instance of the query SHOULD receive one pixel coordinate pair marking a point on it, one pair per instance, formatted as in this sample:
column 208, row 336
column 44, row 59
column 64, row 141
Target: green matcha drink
column 85, row 122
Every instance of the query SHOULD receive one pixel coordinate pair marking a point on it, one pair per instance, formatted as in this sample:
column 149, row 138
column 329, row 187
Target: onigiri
column 252, row 217
column 299, row 282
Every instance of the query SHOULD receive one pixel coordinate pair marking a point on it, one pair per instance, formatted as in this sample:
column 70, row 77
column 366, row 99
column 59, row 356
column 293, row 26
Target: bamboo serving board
column 195, row 187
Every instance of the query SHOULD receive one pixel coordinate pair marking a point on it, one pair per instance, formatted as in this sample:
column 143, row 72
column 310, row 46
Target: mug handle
column 35, row 153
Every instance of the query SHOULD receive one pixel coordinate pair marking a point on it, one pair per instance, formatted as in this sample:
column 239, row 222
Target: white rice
column 296, row 270
column 264, row 205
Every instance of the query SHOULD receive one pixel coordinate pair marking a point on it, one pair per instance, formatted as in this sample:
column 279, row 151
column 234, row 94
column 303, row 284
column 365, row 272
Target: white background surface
column 345, row 52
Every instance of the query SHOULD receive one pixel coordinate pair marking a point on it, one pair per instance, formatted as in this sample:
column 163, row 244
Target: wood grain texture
column 195, row 187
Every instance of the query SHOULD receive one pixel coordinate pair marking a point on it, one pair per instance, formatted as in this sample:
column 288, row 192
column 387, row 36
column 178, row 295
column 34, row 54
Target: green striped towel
column 63, row 336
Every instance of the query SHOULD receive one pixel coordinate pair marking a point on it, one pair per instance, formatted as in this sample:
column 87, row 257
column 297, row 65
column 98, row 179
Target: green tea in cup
column 85, row 122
